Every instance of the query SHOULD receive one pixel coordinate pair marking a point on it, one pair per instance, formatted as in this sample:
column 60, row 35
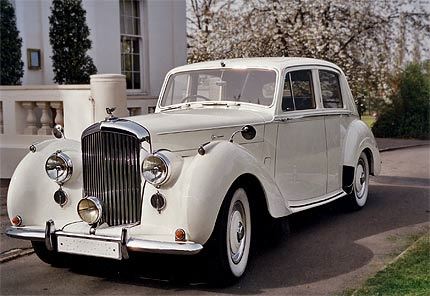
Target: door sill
column 322, row 200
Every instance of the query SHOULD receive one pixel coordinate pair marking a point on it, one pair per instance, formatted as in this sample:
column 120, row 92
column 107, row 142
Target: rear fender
column 359, row 138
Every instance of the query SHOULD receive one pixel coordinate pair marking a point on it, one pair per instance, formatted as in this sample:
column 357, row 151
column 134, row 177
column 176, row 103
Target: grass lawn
column 410, row 275
column 368, row 119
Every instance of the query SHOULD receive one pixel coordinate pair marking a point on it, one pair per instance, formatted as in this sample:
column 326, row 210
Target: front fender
column 210, row 176
column 358, row 138
column 31, row 192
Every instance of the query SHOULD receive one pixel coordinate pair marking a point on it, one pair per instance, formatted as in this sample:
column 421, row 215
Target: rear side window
column 330, row 89
column 298, row 91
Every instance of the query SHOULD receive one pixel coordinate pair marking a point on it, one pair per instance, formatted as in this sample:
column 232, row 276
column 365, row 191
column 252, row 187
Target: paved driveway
column 327, row 251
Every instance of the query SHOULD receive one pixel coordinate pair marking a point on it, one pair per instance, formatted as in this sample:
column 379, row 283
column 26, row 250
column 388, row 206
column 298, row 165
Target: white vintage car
column 230, row 142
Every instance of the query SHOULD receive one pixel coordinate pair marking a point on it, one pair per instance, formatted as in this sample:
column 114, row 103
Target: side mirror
column 58, row 131
column 248, row 132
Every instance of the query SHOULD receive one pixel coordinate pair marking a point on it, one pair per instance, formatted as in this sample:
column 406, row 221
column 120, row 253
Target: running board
column 302, row 207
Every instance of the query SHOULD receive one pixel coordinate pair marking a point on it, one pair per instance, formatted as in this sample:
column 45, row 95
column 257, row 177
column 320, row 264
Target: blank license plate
column 89, row 247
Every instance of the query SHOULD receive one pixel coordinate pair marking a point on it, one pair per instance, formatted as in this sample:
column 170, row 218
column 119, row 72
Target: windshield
column 256, row 86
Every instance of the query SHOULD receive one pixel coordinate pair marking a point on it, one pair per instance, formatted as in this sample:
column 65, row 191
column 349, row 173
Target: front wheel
column 231, row 240
column 358, row 198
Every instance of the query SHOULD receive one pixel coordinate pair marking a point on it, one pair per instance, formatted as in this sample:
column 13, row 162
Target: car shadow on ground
column 322, row 244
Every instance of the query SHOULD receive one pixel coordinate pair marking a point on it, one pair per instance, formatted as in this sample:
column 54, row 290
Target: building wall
column 163, row 31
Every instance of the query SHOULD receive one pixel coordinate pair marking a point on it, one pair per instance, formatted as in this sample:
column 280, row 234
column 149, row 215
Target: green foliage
column 68, row 35
column 368, row 119
column 408, row 115
column 10, row 46
column 410, row 275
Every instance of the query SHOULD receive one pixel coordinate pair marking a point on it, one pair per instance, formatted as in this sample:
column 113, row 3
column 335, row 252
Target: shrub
column 68, row 34
column 408, row 115
column 10, row 46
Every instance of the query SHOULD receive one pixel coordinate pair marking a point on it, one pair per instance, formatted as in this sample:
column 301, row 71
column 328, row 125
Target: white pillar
column 30, row 120
column 58, row 106
column 108, row 91
column 45, row 119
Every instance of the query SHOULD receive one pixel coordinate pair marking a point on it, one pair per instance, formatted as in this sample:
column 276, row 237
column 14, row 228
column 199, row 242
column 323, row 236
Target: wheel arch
column 370, row 160
column 358, row 139
column 227, row 165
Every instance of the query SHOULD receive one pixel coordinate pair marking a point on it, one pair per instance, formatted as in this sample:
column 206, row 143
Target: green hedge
column 408, row 115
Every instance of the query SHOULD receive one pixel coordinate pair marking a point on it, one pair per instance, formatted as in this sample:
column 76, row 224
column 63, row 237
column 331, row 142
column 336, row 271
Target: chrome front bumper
column 49, row 236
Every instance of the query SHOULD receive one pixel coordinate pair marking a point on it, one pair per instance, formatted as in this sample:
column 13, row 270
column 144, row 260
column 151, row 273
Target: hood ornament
column 110, row 111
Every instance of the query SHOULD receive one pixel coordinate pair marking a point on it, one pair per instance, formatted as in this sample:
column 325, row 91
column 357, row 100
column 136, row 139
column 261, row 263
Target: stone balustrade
column 28, row 113
column 41, row 117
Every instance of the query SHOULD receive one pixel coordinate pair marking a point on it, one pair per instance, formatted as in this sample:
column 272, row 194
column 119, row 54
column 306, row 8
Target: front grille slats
column 112, row 174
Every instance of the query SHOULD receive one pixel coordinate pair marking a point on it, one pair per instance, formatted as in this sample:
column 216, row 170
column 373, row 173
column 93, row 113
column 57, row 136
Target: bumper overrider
column 98, row 245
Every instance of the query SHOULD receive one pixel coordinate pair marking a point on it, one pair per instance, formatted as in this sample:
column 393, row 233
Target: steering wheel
column 194, row 96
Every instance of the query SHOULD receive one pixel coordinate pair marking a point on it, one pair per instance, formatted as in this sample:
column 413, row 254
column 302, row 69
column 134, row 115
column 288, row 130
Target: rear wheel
column 231, row 239
column 358, row 198
column 51, row 257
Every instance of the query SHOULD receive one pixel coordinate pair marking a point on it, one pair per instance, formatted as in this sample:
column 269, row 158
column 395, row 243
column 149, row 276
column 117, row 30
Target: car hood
column 187, row 129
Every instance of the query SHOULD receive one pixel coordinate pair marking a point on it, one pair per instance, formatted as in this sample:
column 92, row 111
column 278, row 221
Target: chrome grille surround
column 111, row 168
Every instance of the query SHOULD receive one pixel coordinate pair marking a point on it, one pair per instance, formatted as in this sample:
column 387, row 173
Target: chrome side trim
column 287, row 116
column 301, row 207
column 132, row 244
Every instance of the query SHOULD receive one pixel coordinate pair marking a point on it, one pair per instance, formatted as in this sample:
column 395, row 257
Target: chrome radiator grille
column 111, row 173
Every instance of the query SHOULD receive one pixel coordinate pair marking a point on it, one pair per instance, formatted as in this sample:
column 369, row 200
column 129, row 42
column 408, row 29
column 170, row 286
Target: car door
column 336, row 113
column 301, row 160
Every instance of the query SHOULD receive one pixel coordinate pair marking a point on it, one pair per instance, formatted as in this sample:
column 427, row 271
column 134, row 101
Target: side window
column 330, row 89
column 298, row 91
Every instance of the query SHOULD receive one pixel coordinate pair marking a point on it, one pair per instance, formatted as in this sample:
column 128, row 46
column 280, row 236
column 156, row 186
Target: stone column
column 108, row 91
column 45, row 119
column 30, row 120
column 58, row 106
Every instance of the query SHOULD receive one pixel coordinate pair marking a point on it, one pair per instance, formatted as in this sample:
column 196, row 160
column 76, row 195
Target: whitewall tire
column 360, row 186
column 229, row 247
column 238, row 232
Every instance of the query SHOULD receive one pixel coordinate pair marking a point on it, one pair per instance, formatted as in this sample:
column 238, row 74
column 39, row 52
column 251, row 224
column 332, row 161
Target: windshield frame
column 229, row 103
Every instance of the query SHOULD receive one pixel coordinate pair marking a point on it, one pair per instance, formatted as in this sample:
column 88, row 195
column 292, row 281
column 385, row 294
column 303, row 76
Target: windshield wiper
column 176, row 107
column 215, row 103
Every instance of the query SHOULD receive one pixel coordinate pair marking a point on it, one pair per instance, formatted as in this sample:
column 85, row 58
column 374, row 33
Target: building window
column 131, row 40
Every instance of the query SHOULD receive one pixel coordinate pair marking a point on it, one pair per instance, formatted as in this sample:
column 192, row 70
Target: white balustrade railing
column 28, row 113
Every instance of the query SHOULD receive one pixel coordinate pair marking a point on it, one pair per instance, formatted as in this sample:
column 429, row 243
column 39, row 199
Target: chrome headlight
column 156, row 168
column 90, row 209
column 59, row 167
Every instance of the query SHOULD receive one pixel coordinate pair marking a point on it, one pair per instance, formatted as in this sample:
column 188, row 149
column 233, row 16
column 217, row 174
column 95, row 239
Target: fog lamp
column 90, row 209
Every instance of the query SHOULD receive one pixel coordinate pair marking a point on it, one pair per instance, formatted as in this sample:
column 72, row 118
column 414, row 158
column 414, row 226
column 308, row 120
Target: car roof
column 266, row 62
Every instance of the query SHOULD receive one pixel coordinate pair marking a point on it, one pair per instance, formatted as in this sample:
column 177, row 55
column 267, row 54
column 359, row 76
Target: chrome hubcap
column 237, row 232
column 360, row 179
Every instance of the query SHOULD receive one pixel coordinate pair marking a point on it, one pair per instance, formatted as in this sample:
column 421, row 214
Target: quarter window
column 298, row 91
column 330, row 89
column 131, row 39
